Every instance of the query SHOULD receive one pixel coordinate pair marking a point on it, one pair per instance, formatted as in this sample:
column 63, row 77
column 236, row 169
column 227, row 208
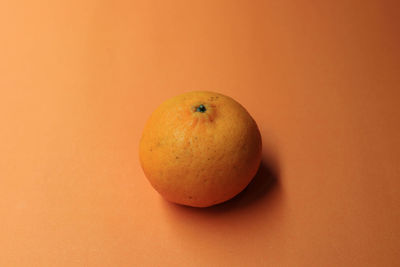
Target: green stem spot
column 201, row 108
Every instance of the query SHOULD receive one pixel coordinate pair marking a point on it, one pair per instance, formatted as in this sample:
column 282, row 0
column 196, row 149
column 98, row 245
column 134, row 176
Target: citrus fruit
column 200, row 148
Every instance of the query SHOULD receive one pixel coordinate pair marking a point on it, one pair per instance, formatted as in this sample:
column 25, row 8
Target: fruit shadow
column 264, row 183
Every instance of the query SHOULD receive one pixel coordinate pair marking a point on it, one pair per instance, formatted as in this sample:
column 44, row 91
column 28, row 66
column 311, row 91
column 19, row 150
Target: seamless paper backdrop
column 78, row 79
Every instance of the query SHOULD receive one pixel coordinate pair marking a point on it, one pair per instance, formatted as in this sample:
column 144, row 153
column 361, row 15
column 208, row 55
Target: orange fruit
column 200, row 148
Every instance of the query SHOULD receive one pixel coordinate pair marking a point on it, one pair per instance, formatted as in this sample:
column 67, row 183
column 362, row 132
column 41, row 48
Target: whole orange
column 200, row 148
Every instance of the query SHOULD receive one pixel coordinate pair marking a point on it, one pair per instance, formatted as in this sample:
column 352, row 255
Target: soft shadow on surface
column 264, row 183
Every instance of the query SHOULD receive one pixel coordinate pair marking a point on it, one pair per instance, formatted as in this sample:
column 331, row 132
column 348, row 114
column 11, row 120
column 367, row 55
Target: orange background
column 78, row 79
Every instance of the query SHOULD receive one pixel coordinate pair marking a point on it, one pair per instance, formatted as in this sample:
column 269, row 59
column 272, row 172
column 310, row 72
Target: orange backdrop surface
column 78, row 80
